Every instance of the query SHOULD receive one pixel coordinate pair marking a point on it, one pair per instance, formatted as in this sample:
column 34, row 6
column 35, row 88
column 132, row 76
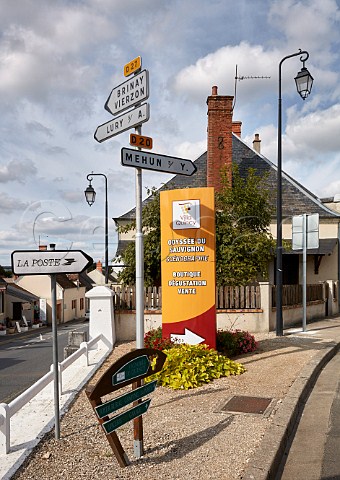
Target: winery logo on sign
column 186, row 214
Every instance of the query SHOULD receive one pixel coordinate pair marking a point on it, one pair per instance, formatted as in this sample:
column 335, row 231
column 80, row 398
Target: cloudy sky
column 59, row 60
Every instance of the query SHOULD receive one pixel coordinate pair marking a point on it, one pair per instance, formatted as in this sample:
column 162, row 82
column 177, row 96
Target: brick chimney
column 219, row 152
column 257, row 143
column 237, row 126
column 99, row 266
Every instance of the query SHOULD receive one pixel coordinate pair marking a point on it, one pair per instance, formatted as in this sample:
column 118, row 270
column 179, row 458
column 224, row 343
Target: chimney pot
column 257, row 143
column 99, row 266
column 214, row 90
column 237, row 126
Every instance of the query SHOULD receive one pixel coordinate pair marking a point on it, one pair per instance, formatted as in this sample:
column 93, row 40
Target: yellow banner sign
column 188, row 265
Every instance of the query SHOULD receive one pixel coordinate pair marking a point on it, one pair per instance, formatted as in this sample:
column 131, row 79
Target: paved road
column 314, row 452
column 27, row 357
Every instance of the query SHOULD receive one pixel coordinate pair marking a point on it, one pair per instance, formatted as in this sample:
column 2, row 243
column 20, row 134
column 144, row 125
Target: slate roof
column 16, row 291
column 64, row 281
column 296, row 199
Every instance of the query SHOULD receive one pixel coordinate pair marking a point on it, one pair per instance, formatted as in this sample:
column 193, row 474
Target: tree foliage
column 151, row 226
column 5, row 273
column 244, row 245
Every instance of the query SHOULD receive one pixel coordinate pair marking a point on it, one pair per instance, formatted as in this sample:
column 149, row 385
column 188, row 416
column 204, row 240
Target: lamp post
column 90, row 195
column 304, row 82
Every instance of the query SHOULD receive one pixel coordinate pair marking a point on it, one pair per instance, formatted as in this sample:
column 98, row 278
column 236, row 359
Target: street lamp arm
column 90, row 178
column 91, row 175
column 300, row 52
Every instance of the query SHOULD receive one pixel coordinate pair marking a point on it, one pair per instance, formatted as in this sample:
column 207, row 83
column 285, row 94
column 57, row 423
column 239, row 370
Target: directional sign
column 189, row 337
column 140, row 141
column 132, row 91
column 154, row 161
column 48, row 262
column 129, row 369
column 122, row 123
column 123, row 400
column 125, row 417
column 133, row 369
column 133, row 66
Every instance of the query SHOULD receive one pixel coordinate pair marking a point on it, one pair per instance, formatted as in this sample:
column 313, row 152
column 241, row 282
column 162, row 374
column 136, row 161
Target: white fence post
column 5, row 420
column 86, row 352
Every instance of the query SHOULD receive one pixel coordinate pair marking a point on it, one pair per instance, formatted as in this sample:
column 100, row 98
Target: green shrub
column 235, row 342
column 189, row 366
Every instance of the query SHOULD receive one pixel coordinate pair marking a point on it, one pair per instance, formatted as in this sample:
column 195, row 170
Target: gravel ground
column 186, row 433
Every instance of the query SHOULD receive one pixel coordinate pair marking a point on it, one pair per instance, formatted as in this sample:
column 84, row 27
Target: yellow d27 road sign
column 140, row 141
column 133, row 66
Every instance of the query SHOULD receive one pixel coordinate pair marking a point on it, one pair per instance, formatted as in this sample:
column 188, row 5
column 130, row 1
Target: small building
column 70, row 296
column 16, row 302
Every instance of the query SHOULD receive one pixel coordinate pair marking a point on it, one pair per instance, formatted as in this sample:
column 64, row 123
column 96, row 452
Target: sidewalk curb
column 266, row 461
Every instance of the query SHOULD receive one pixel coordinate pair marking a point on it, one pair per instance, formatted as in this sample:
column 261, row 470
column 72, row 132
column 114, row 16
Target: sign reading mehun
column 188, row 265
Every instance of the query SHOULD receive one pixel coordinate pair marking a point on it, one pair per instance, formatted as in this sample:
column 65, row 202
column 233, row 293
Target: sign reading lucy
column 188, row 265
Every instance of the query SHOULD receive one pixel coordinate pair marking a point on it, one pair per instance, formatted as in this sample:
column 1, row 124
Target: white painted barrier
column 8, row 410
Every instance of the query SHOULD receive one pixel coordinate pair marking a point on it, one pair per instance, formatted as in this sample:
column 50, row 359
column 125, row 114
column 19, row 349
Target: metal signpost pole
column 55, row 351
column 138, row 422
column 139, row 258
column 304, row 269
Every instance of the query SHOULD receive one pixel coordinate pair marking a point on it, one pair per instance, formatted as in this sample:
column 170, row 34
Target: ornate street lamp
column 90, row 195
column 304, row 82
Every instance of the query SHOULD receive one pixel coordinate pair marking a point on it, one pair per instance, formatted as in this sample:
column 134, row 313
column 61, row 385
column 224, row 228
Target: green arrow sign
column 123, row 400
column 125, row 417
column 133, row 369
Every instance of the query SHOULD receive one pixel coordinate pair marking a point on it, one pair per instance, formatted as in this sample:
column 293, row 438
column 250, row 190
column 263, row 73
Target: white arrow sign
column 189, row 337
column 154, row 161
column 122, row 123
column 129, row 93
column 48, row 262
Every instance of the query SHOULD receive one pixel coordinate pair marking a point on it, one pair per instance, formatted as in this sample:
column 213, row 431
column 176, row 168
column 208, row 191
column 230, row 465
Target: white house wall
column 73, row 294
column 328, row 268
column 40, row 285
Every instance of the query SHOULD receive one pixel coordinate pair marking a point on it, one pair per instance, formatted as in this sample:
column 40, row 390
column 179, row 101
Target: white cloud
column 17, row 170
column 316, row 133
column 9, row 205
column 308, row 24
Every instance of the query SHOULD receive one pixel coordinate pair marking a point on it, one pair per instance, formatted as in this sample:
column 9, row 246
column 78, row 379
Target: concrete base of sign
column 74, row 341
column 102, row 315
column 138, row 448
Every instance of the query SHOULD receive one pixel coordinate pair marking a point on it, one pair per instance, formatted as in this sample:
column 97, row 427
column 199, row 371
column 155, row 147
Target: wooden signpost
column 130, row 369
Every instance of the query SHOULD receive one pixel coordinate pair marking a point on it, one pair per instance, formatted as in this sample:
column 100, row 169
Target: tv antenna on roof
column 249, row 77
